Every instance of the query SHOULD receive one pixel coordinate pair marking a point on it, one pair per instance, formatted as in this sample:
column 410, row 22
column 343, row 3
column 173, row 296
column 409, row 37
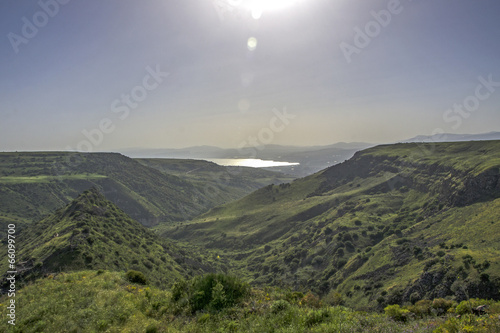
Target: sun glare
column 257, row 7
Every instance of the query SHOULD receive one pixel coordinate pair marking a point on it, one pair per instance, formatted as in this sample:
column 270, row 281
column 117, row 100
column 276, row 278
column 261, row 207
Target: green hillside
column 395, row 223
column 33, row 185
column 92, row 233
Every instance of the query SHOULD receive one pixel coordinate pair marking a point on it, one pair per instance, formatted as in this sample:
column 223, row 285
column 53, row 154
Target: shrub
column 334, row 298
column 136, row 277
column 421, row 308
column 396, row 312
column 179, row 290
column 441, row 305
column 315, row 317
column 468, row 306
column 209, row 292
column 311, row 300
column 349, row 246
column 294, row 297
column 484, row 277
column 347, row 238
column 318, row 260
column 218, row 297
column 279, row 306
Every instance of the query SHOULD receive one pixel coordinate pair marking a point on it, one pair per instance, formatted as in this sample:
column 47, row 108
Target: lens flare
column 252, row 43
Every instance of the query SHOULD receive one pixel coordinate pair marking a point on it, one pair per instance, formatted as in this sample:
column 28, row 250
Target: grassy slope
column 92, row 233
column 370, row 226
column 102, row 301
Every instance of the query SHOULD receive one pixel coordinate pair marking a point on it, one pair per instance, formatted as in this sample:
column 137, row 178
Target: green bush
column 441, row 305
column 334, row 298
column 179, row 290
column 421, row 308
column 465, row 306
column 218, row 301
column 318, row 260
column 315, row 317
column 136, row 277
column 294, row 296
column 279, row 306
column 396, row 312
column 209, row 292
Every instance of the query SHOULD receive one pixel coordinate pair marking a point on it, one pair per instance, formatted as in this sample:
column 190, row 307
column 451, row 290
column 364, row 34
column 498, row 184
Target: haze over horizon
column 105, row 76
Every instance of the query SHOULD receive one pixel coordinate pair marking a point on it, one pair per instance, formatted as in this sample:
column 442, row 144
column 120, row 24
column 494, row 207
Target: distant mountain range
column 291, row 153
column 275, row 152
column 311, row 159
column 448, row 137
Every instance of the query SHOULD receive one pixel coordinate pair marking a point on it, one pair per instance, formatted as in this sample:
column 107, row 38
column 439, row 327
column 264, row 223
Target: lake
column 250, row 162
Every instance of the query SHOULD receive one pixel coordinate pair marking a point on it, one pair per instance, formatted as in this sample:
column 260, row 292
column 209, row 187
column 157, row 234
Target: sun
column 257, row 7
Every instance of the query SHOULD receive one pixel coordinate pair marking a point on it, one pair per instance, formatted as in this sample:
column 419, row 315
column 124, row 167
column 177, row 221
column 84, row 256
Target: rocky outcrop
column 452, row 186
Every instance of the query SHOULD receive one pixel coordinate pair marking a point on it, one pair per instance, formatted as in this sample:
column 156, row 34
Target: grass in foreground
column 101, row 301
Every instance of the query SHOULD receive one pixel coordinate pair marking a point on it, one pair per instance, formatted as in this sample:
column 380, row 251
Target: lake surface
column 250, row 162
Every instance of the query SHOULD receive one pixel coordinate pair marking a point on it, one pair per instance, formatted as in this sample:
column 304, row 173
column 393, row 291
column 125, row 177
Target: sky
column 108, row 75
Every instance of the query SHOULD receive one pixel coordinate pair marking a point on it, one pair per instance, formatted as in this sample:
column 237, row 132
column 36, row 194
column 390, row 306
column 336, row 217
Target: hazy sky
column 103, row 75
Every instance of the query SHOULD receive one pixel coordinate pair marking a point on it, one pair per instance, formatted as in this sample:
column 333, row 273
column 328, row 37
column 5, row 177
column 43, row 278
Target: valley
column 400, row 224
column 371, row 228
